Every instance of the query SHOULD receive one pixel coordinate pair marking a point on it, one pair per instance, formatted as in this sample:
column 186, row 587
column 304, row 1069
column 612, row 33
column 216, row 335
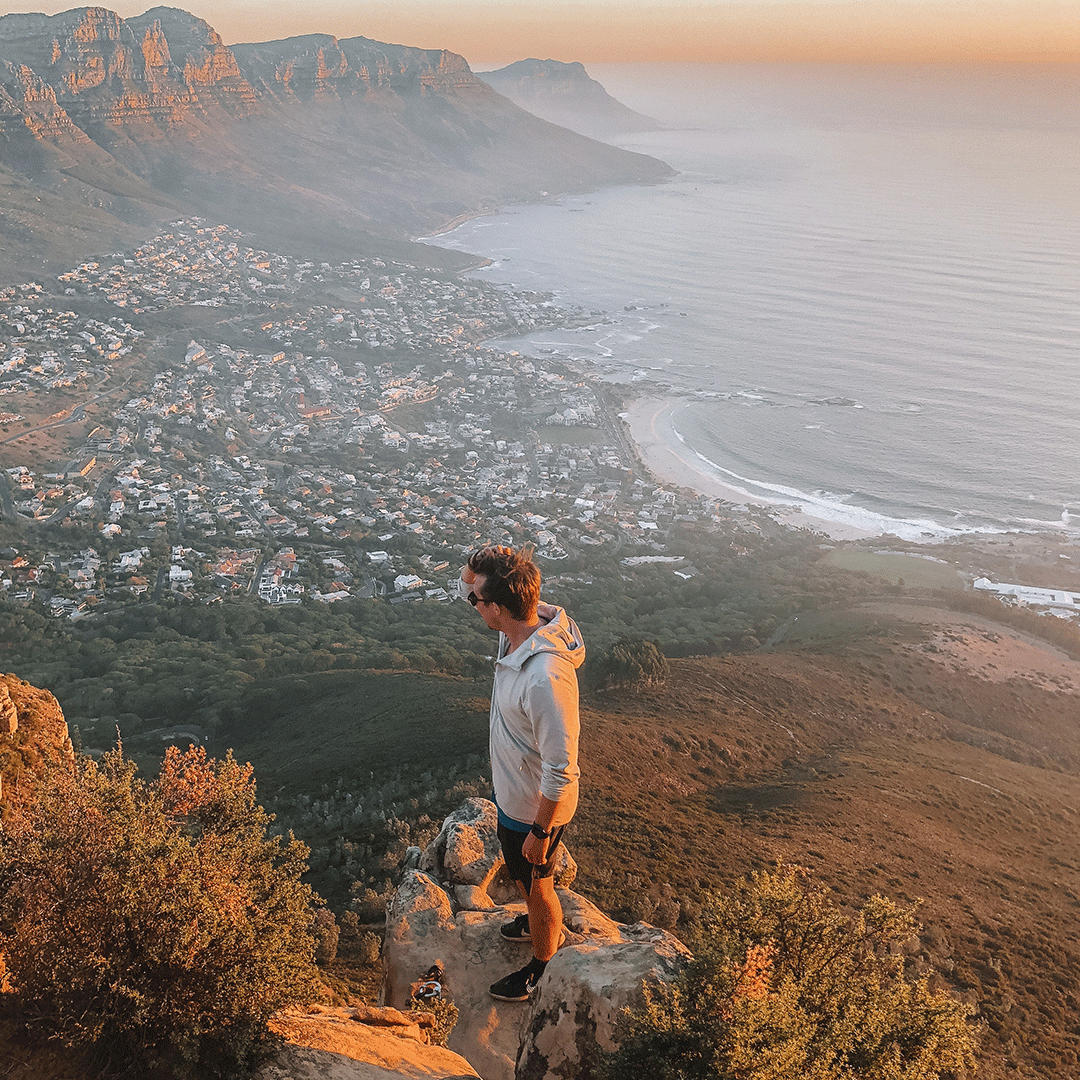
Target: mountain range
column 330, row 146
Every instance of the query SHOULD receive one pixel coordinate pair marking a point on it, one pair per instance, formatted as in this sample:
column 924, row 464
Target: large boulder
column 9, row 712
column 467, row 847
column 448, row 910
column 572, row 1016
column 362, row 1043
column 33, row 738
column 466, row 857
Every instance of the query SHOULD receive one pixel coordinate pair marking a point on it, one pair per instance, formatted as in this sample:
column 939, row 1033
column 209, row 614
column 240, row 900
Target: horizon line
column 648, row 31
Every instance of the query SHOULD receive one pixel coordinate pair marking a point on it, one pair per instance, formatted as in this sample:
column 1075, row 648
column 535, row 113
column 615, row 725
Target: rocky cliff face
column 320, row 65
column 108, row 71
column 302, row 67
column 194, row 50
column 33, row 735
column 28, row 108
column 325, row 144
column 166, row 62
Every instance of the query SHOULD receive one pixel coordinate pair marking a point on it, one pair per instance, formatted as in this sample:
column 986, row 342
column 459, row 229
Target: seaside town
column 335, row 431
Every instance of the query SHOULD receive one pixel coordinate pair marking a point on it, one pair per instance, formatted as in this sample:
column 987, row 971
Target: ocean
column 862, row 288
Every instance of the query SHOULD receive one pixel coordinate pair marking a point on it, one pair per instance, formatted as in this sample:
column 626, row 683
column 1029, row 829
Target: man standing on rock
column 534, row 741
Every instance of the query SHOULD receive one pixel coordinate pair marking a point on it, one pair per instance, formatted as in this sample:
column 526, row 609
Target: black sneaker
column 517, row 986
column 518, row 930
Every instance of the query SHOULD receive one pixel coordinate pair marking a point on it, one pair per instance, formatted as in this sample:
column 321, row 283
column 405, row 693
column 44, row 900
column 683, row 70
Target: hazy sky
column 489, row 32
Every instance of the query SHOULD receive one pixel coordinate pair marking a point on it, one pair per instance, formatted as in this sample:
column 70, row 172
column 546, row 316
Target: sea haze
column 866, row 280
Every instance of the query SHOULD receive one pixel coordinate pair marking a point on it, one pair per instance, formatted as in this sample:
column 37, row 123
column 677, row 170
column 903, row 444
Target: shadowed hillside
column 893, row 766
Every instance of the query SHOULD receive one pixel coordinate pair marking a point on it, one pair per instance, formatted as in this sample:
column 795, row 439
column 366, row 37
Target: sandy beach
column 651, row 424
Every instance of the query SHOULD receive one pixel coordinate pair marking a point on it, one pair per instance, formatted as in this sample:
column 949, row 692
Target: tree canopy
column 631, row 662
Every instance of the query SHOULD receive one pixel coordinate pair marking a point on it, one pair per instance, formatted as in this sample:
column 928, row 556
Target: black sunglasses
column 474, row 599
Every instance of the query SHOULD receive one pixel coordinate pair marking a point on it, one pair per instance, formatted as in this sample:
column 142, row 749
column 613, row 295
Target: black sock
column 536, row 966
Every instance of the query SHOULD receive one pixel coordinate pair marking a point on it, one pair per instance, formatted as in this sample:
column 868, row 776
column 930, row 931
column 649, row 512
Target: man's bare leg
column 545, row 918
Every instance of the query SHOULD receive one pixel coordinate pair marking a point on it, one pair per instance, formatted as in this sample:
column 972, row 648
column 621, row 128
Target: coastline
column 1038, row 559
column 451, row 224
column 651, row 426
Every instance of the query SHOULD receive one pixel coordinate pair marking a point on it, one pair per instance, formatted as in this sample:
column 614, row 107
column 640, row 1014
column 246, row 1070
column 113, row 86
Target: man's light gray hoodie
column 534, row 720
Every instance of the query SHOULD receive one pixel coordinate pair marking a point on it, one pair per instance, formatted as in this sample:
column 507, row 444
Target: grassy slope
column 883, row 771
column 354, row 725
column 46, row 227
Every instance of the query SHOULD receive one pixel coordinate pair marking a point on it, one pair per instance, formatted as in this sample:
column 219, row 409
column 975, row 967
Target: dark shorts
column 519, row 868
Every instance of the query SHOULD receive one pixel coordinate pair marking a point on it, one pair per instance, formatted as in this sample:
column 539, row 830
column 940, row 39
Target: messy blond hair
column 512, row 579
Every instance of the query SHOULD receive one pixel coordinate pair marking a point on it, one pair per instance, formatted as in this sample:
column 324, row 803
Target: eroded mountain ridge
column 329, row 144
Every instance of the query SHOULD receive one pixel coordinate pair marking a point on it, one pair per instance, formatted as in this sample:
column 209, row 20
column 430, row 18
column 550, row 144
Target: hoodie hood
column 560, row 635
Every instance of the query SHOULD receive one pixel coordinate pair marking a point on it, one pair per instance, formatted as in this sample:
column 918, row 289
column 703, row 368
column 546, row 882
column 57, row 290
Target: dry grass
column 896, row 767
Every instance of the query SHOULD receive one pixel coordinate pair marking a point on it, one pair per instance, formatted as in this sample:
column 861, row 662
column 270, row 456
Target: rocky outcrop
column 33, row 735
column 37, row 716
column 453, row 898
column 467, row 860
column 571, row 1020
column 9, row 713
column 359, row 1043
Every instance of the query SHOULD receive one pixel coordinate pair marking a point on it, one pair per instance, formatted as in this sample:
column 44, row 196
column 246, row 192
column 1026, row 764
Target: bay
column 863, row 285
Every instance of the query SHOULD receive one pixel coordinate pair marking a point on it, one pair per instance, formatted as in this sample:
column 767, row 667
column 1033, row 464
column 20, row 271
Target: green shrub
column 445, row 1013
column 784, row 985
column 156, row 923
column 327, row 933
column 369, row 948
column 631, row 662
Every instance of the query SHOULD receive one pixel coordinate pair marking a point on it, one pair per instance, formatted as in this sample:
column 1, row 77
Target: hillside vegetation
column 887, row 745
column 782, row 983
column 152, row 927
column 150, row 667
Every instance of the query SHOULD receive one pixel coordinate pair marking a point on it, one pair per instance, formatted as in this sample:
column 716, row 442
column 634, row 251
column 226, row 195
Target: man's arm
column 550, row 702
column 535, row 848
column 552, row 705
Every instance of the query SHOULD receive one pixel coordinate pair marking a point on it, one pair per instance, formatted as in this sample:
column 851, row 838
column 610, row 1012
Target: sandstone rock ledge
column 447, row 910
column 359, row 1044
column 33, row 733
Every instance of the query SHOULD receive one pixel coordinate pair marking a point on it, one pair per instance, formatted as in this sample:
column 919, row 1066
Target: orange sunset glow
column 498, row 31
